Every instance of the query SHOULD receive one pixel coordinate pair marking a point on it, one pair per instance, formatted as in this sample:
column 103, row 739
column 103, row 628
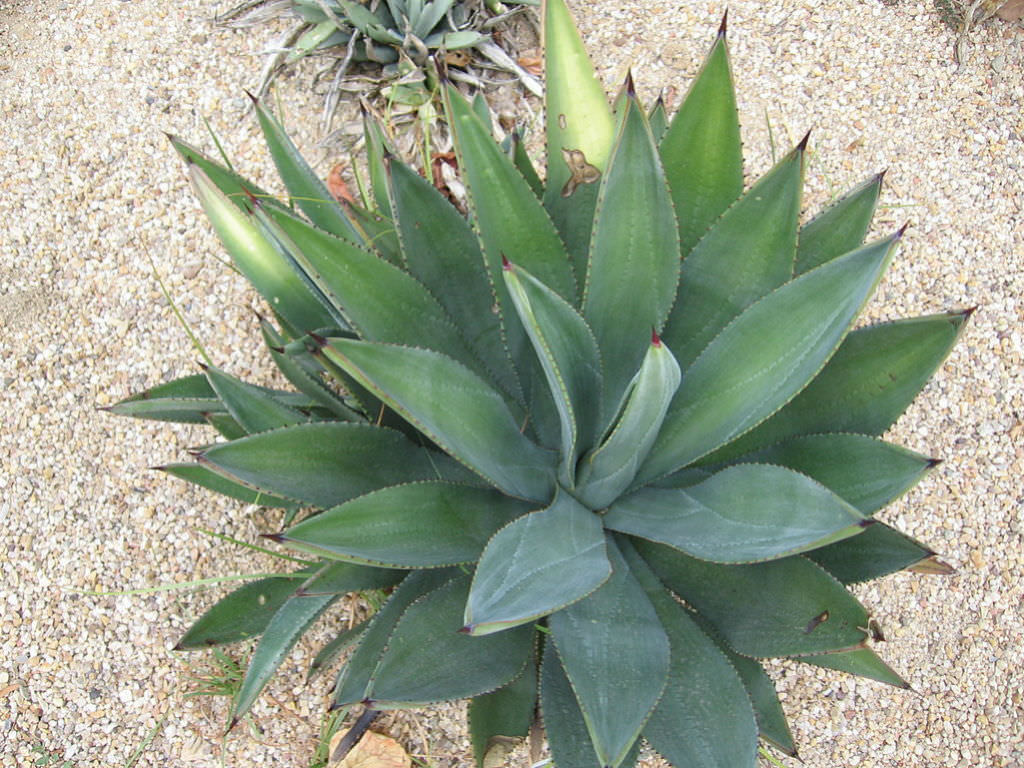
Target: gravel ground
column 90, row 193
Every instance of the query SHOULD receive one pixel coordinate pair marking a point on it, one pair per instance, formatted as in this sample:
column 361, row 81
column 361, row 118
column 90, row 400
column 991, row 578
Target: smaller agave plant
column 401, row 36
column 609, row 442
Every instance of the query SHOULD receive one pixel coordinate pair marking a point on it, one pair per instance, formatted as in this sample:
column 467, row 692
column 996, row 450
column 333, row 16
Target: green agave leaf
column 838, row 229
column 536, row 565
column 324, row 464
column 449, row 665
column 787, row 607
column 354, row 678
column 236, row 188
column 870, row 380
column 305, row 188
column 303, row 372
column 568, row 355
column 524, row 164
column 616, row 655
column 658, row 120
column 863, row 470
column 508, row 217
column 745, row 513
column 771, row 720
column 507, row 712
column 253, row 408
column 202, row 476
column 745, row 255
column 701, row 150
column 244, row 613
column 271, row 272
column 705, row 718
column 184, row 401
column 862, row 662
column 225, row 425
column 607, row 471
column 423, row 386
column 580, row 130
column 334, row 648
column 294, row 617
column 877, row 552
column 379, row 300
column 765, row 357
column 563, row 721
column 376, row 150
column 441, row 251
column 419, row 525
column 483, row 111
column 377, row 231
column 634, row 254
column 288, row 624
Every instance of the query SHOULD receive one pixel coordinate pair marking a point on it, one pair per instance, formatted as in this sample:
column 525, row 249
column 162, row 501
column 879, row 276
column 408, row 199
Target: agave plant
column 610, row 440
column 398, row 35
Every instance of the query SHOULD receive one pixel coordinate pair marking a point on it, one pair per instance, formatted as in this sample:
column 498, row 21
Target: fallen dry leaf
column 1012, row 10
column 532, row 64
column 460, row 58
column 374, row 750
column 337, row 185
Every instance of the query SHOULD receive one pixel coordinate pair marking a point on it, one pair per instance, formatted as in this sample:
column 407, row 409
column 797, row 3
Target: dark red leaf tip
column 630, row 85
column 278, row 537
column 231, row 725
column 321, row 341
column 867, row 522
column 466, row 630
column 932, row 463
column 505, row 263
column 967, row 313
column 880, row 176
column 255, row 99
column 802, row 146
column 655, row 338
column 724, row 26
column 901, row 231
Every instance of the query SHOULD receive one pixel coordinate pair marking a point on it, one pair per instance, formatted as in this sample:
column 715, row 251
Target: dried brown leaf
column 337, row 185
column 374, row 750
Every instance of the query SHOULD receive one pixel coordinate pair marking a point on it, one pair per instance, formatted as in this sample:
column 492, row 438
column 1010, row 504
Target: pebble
column 93, row 192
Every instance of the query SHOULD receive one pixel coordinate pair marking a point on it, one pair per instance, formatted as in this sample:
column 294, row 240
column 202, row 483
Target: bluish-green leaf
column 481, row 432
column 745, row 255
column 379, row 300
column 536, row 565
column 288, row 624
column 264, row 265
column 295, row 616
column 701, row 150
column 765, row 357
column 509, row 219
column 522, row 161
column 745, row 513
column 608, row 470
column 704, row 718
column 634, row 255
column 243, row 613
column 870, row 380
column 306, row 189
column 568, row 355
column 354, row 678
column 838, row 229
column 579, row 127
column 658, row 119
column 186, row 400
column 324, row 464
column 376, row 149
column 440, row 250
column 862, row 662
column 207, row 478
column 865, row 471
column 448, row 664
column 334, row 648
column 506, row 712
column 616, row 655
column 788, row 607
column 564, row 725
column 253, row 408
column 877, row 552
column 418, row 525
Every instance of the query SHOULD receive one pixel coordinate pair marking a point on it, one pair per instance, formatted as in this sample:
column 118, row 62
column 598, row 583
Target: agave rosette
column 610, row 438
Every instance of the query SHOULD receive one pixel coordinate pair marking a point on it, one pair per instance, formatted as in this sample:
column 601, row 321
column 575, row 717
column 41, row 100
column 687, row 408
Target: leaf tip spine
column 629, row 85
column 467, row 629
column 880, row 176
column 320, row 341
column 802, row 146
column 901, row 231
column 231, row 725
column 966, row 314
column 252, row 97
column 505, row 263
column 655, row 338
column 279, row 538
column 867, row 522
column 933, row 463
column 723, row 28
